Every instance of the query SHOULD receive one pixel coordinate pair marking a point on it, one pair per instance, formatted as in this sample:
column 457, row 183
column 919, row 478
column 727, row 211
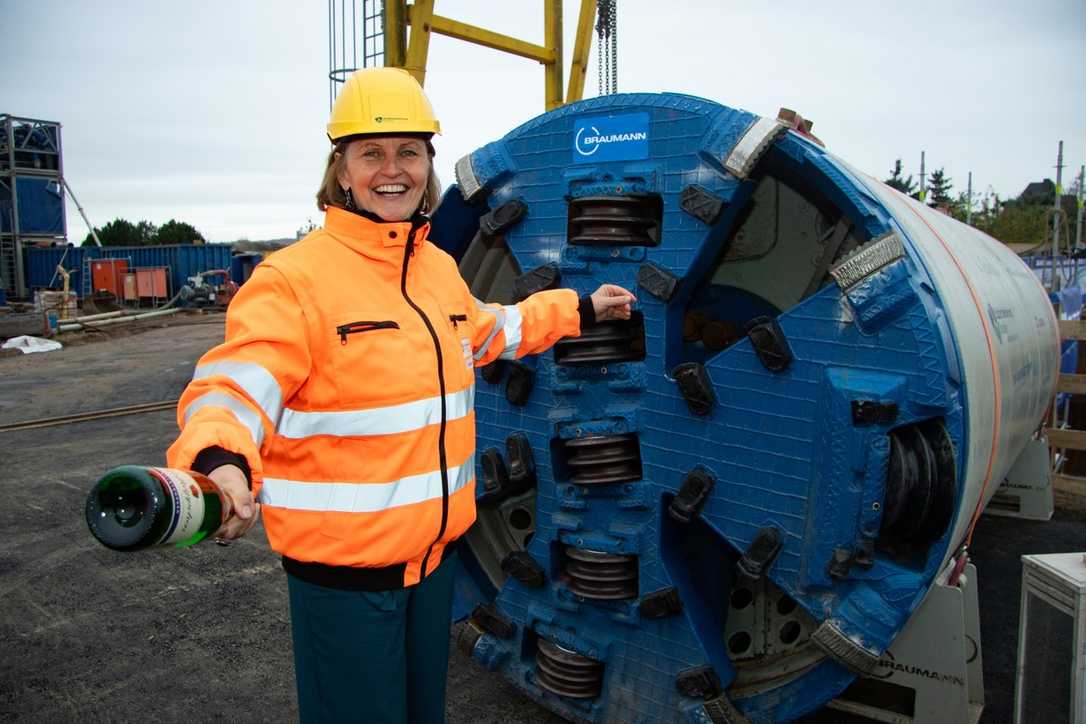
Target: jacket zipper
column 354, row 327
column 409, row 249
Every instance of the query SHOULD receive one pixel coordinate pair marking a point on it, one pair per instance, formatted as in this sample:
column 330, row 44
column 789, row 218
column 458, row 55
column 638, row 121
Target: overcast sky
column 214, row 112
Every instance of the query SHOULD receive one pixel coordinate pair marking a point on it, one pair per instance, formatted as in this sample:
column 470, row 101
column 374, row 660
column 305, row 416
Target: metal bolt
column 876, row 506
column 603, row 370
column 615, row 253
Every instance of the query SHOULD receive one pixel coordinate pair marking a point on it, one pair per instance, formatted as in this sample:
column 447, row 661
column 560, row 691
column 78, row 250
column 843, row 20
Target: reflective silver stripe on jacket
column 257, row 382
column 499, row 325
column 389, row 420
column 512, row 332
column 362, row 497
column 244, row 414
column 507, row 319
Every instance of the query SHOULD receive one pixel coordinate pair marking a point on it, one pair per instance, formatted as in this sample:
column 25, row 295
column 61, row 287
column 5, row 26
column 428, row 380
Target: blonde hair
column 331, row 193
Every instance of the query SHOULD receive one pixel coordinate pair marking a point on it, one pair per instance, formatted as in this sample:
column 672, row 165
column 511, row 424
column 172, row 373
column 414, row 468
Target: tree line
column 121, row 232
column 1025, row 219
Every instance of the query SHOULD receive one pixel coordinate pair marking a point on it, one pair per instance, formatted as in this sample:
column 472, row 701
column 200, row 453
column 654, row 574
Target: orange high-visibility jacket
column 347, row 383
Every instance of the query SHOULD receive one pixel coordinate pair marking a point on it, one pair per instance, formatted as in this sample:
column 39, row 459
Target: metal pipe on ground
column 75, row 327
column 94, row 317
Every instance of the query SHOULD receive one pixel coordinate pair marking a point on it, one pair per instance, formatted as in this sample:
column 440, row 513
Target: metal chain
column 601, row 48
column 607, row 64
column 606, row 47
column 600, row 4
column 614, row 46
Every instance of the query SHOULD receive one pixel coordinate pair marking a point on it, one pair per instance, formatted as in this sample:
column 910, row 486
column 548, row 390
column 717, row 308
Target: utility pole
column 1056, row 221
column 1078, row 208
column 1056, row 205
column 923, row 185
column 969, row 200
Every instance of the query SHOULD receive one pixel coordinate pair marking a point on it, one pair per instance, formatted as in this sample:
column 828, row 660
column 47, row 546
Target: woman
column 343, row 395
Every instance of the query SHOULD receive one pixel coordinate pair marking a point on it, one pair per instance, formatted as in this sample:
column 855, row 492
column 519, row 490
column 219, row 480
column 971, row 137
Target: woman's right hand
column 611, row 301
column 244, row 511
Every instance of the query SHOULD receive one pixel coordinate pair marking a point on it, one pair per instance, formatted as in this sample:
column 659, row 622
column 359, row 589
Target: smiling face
column 387, row 176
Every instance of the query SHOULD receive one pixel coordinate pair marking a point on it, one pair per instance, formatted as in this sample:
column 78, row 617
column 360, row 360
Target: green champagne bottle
column 135, row 507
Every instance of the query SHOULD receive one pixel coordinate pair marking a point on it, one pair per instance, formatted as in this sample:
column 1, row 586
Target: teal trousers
column 378, row 657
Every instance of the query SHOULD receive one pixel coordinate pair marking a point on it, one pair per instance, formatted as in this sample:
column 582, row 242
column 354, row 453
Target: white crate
column 1050, row 681
column 65, row 306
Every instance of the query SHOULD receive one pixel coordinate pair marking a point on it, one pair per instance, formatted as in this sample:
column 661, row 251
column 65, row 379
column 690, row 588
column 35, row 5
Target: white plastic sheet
column 28, row 345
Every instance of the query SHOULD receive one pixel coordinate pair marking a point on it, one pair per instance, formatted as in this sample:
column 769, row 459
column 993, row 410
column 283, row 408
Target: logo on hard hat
column 611, row 138
column 382, row 119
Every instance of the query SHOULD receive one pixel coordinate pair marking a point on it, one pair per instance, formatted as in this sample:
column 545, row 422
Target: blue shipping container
column 183, row 261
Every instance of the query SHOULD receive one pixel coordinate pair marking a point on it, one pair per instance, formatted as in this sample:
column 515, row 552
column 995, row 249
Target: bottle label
column 188, row 504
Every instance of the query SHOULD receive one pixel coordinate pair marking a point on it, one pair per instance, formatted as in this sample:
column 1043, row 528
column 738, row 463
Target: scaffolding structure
column 344, row 34
column 31, row 194
column 379, row 28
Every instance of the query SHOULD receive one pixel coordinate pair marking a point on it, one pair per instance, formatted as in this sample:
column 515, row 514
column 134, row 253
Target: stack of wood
column 1069, row 480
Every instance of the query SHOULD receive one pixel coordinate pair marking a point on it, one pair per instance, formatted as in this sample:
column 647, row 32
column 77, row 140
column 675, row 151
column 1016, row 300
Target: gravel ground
column 203, row 634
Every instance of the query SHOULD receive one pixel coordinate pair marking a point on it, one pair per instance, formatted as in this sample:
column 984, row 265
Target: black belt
column 350, row 578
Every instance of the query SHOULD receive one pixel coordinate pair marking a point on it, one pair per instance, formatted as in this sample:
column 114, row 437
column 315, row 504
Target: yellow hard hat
column 381, row 100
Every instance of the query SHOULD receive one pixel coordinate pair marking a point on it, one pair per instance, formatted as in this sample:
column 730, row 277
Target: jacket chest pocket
column 371, row 359
column 357, row 327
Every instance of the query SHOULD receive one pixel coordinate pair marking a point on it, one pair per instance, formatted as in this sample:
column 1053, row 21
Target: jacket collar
column 374, row 238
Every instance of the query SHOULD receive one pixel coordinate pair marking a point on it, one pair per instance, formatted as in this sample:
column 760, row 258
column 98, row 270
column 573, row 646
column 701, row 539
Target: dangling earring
column 349, row 205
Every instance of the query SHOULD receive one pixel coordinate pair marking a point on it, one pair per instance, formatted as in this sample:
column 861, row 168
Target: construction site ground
column 203, row 634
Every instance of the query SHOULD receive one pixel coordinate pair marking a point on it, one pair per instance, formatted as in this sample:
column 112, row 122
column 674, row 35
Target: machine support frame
column 420, row 16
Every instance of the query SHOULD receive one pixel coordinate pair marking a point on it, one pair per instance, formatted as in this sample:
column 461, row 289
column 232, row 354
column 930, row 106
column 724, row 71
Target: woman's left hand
column 611, row 301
